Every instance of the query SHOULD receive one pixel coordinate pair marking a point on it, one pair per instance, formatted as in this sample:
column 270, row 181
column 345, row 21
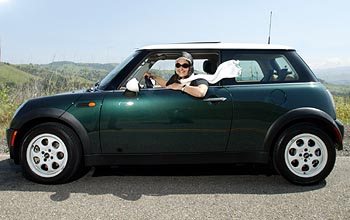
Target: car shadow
column 133, row 182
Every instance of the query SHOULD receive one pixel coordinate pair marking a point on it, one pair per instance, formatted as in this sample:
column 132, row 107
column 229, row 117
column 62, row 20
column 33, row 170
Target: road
column 199, row 192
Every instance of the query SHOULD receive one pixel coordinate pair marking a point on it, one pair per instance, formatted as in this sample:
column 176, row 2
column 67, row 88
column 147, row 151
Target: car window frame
column 194, row 52
column 304, row 72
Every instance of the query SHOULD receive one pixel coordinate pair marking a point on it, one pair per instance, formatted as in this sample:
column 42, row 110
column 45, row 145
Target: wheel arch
column 39, row 116
column 303, row 115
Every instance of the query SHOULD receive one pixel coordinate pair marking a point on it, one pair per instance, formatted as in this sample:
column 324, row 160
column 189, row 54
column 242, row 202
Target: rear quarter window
column 268, row 66
column 251, row 71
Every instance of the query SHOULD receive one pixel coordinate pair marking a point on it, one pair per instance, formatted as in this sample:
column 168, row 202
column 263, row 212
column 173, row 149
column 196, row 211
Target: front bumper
column 10, row 137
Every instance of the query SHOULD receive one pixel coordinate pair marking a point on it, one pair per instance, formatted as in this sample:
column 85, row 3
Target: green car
column 274, row 110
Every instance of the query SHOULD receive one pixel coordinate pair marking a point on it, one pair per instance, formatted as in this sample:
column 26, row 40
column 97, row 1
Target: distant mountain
column 336, row 75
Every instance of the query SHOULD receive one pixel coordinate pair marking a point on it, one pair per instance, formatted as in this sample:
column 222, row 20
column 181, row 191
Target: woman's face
column 182, row 67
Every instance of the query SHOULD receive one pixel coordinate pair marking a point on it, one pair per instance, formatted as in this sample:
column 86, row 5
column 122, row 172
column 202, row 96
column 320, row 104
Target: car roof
column 216, row 45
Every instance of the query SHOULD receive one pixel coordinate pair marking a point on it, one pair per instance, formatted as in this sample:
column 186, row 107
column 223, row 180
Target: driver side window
column 161, row 68
column 163, row 65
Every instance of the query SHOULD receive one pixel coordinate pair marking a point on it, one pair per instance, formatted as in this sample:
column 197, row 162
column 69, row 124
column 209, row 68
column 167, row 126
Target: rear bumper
column 341, row 129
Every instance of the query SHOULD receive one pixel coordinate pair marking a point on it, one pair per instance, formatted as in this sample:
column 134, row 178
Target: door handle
column 218, row 99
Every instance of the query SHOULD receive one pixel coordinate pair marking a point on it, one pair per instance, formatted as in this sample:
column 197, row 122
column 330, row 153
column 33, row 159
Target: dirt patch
column 3, row 146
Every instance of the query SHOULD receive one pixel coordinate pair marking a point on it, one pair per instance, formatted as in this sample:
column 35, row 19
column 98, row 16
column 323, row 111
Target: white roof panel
column 217, row 45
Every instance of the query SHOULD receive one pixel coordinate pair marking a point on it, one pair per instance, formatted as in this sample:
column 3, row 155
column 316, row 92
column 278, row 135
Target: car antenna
column 269, row 39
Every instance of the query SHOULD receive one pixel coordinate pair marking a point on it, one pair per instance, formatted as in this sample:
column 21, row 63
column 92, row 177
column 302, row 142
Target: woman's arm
column 159, row 80
column 197, row 91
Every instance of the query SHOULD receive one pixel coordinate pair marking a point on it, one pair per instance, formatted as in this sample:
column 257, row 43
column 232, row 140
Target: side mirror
column 133, row 85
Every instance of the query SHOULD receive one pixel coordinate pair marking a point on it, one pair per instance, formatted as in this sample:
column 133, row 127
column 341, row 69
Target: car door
column 259, row 96
column 256, row 107
column 165, row 121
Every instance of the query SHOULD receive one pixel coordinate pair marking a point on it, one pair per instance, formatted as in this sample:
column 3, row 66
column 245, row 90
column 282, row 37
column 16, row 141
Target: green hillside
column 59, row 65
column 13, row 76
column 90, row 71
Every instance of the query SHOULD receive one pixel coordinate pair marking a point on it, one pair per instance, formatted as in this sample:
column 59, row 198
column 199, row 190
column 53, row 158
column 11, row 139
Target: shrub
column 342, row 104
column 8, row 107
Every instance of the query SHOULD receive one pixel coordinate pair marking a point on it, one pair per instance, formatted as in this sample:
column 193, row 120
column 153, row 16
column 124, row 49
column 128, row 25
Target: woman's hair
column 186, row 56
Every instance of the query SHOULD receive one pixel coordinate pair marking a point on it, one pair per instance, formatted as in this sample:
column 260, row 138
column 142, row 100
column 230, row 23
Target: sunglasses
column 185, row 65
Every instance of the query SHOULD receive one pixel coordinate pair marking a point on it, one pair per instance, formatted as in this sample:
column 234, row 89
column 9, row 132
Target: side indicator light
column 86, row 104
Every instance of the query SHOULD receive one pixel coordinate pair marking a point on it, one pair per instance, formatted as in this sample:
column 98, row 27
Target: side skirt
column 156, row 159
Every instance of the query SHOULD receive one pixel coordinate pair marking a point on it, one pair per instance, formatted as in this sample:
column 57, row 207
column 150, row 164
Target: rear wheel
column 304, row 154
column 51, row 154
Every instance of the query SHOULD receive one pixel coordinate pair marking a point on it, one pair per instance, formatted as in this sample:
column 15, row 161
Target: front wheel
column 304, row 154
column 51, row 154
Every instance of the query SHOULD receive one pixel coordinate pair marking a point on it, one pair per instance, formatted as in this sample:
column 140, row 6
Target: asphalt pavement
column 175, row 192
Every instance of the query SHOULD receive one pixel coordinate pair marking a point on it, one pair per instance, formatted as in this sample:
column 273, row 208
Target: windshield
column 117, row 69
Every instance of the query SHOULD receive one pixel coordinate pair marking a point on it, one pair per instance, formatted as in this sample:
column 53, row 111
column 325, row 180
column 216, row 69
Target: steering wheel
column 148, row 82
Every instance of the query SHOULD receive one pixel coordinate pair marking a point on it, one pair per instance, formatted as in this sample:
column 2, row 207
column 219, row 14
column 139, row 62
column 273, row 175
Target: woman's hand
column 159, row 80
column 149, row 75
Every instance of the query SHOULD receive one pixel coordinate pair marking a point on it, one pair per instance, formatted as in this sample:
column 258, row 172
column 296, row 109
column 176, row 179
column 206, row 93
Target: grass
column 342, row 104
column 341, row 95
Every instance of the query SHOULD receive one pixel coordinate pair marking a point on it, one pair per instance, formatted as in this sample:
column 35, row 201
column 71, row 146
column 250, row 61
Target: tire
column 51, row 153
column 304, row 154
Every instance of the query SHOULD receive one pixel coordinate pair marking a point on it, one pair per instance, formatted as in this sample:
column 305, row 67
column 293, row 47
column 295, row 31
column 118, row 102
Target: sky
column 107, row 31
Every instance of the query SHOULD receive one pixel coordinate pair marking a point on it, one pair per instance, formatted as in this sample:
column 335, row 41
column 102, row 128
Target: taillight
column 13, row 138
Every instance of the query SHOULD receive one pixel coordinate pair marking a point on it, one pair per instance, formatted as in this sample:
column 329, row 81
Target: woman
column 183, row 69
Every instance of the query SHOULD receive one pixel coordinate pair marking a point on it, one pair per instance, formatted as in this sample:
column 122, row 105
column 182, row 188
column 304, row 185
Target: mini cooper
column 275, row 111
